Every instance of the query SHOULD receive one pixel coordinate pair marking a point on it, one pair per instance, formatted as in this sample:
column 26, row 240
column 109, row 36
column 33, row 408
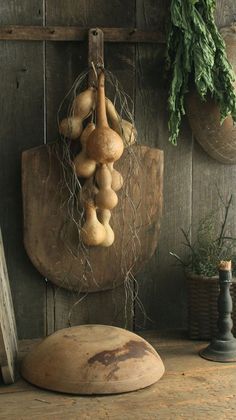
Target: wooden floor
column 192, row 388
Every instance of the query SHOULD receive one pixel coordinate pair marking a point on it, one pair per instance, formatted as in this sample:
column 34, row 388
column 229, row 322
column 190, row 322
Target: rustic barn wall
column 34, row 79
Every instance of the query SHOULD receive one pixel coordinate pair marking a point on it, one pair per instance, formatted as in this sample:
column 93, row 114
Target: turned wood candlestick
column 223, row 347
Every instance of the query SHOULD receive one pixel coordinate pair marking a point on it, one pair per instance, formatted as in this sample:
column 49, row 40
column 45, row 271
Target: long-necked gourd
column 85, row 167
column 93, row 233
column 104, row 144
column 106, row 198
column 104, row 217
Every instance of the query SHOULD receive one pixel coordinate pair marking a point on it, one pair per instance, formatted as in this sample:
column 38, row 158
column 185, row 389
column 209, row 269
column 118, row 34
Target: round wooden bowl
column 93, row 359
column 218, row 140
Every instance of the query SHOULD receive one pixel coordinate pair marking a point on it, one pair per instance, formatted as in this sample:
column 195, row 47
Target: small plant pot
column 202, row 295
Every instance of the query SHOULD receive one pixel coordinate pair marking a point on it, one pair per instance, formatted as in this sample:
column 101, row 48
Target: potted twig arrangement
column 213, row 243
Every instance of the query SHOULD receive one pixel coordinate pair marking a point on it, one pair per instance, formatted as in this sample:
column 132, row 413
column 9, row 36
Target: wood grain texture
column 75, row 33
column 8, row 333
column 225, row 13
column 63, row 63
column 161, row 284
column 191, row 388
column 21, row 111
column 50, row 235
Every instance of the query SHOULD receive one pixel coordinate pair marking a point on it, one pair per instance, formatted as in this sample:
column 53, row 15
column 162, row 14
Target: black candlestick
column 223, row 347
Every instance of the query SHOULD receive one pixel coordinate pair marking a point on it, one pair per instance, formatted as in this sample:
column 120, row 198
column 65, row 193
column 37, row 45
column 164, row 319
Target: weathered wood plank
column 74, row 33
column 21, row 127
column 8, row 333
column 64, row 62
column 161, row 284
column 225, row 12
column 209, row 175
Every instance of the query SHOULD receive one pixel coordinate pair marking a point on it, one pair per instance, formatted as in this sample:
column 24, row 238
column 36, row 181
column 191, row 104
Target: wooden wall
column 34, row 79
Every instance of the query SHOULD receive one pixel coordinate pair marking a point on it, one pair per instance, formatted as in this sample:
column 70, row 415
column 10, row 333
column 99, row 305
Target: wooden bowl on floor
column 93, row 359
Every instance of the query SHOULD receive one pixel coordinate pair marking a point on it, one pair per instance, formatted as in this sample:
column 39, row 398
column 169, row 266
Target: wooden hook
column 95, row 54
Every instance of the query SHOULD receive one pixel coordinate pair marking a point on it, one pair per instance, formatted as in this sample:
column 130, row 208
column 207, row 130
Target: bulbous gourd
column 84, row 103
column 106, row 198
column 93, row 233
column 117, row 179
column 84, row 167
column 71, row 127
column 104, row 144
column 104, row 217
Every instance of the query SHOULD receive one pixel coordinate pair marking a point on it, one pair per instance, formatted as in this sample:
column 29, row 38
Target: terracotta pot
column 219, row 141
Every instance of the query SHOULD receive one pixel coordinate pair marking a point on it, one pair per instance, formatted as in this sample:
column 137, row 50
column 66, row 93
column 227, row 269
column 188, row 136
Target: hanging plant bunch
column 102, row 134
column 196, row 55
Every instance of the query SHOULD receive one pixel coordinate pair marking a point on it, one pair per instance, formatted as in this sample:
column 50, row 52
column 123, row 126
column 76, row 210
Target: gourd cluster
column 102, row 145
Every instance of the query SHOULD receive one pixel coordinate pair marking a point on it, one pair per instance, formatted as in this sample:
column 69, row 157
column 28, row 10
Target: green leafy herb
column 196, row 50
column 213, row 244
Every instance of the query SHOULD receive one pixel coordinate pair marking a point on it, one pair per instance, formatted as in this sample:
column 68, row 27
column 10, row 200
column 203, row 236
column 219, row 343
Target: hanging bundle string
column 76, row 193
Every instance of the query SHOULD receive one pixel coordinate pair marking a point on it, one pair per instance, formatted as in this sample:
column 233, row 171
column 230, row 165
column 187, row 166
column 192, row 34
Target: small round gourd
column 84, row 103
column 93, row 232
column 104, row 144
column 84, row 167
column 106, row 198
column 104, row 217
column 117, row 179
column 71, row 127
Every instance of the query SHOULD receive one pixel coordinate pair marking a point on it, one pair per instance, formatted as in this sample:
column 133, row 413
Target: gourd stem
column 101, row 102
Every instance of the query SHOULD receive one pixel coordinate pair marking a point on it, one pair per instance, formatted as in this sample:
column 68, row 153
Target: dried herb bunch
column 213, row 243
column 196, row 50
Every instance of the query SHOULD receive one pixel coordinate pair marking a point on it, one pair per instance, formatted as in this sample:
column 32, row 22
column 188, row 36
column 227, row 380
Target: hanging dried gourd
column 82, row 107
column 117, row 179
column 196, row 51
column 93, row 232
column 104, row 217
column 84, row 103
column 123, row 127
column 71, row 127
column 104, row 145
column 106, row 197
column 85, row 167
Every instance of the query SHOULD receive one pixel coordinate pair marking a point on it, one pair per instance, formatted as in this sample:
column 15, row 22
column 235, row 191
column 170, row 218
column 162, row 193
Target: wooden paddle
column 49, row 235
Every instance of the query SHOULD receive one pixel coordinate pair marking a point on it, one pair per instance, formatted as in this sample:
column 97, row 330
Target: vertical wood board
column 8, row 333
column 161, row 284
column 22, row 116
